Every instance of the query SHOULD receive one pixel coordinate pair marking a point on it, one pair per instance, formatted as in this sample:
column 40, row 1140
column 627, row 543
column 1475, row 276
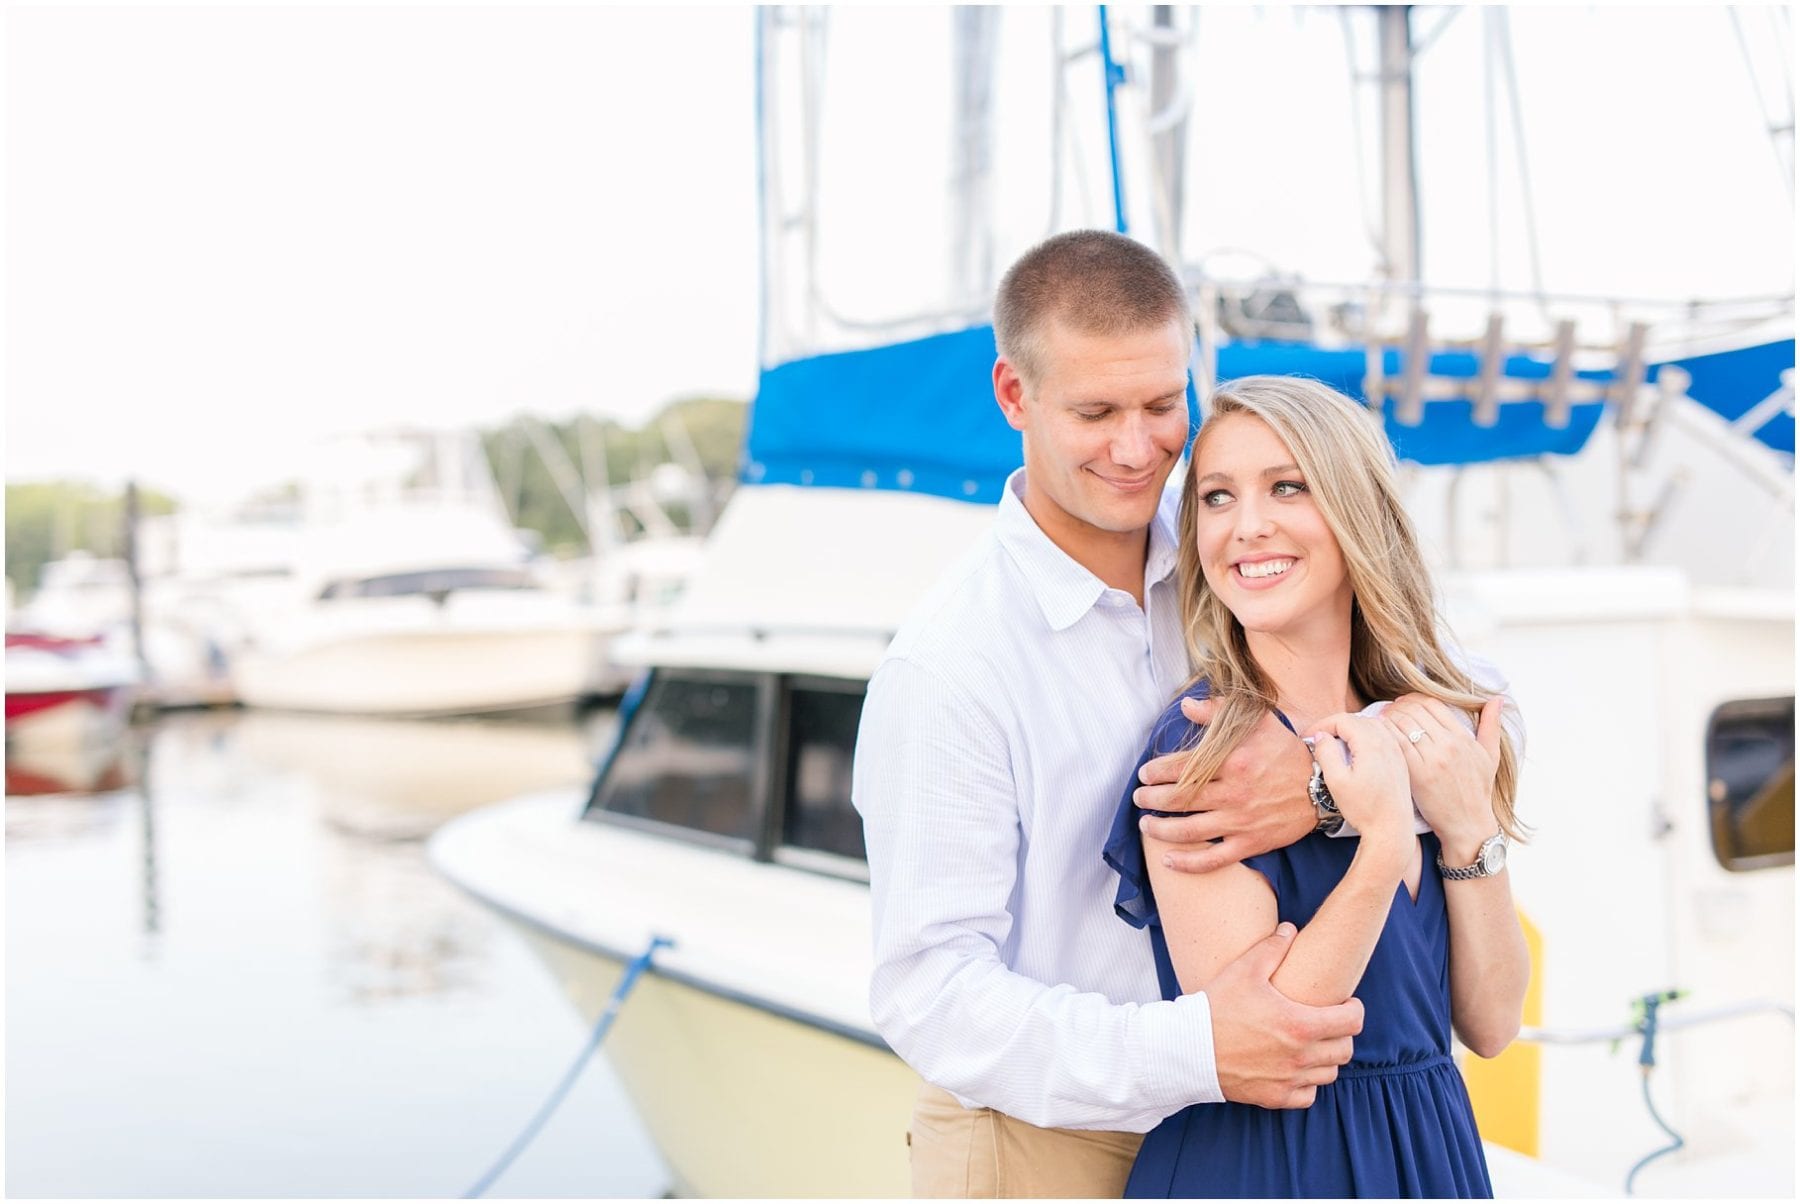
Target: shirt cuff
column 1175, row 1062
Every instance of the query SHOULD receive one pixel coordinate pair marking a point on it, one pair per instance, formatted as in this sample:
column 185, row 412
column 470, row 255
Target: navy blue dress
column 1397, row 1122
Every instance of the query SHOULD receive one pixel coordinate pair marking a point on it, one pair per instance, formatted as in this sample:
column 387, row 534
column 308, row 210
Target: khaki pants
column 983, row 1154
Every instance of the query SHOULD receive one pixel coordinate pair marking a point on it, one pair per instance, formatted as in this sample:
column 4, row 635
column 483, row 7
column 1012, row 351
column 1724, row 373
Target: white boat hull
column 424, row 672
column 748, row 1051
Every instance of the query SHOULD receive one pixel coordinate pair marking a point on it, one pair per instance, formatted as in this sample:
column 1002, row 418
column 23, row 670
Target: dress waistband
column 1363, row 1070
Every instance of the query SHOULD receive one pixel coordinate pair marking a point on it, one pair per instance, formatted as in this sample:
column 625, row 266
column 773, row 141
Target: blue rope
column 1115, row 75
column 601, row 1026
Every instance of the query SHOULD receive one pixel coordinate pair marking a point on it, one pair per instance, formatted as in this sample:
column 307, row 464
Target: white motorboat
column 1646, row 627
column 414, row 595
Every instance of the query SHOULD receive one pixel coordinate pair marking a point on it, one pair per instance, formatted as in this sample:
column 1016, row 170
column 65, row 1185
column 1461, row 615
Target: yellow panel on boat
column 1505, row 1090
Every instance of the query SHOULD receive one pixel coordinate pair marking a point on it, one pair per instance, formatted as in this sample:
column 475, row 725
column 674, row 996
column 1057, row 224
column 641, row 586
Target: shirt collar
column 1063, row 589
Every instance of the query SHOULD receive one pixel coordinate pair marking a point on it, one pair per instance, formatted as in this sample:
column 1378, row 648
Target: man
column 996, row 738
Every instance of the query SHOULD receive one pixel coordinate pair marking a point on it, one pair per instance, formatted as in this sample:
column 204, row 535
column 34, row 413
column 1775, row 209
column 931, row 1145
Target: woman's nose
column 1253, row 520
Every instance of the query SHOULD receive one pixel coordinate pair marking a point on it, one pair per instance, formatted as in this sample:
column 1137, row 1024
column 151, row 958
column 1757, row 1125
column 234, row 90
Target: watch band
column 1330, row 819
column 1490, row 859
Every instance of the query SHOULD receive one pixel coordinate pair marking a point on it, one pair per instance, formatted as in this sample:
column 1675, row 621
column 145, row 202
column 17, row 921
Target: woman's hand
column 1452, row 770
column 1366, row 772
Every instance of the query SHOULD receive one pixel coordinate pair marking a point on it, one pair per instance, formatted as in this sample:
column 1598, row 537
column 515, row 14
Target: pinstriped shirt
column 996, row 739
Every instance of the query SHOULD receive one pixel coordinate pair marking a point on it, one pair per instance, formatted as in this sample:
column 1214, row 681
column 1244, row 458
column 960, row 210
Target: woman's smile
column 1263, row 573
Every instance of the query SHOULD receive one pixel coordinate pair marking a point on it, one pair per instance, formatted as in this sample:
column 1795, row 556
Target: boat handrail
column 1777, row 304
column 1618, row 1032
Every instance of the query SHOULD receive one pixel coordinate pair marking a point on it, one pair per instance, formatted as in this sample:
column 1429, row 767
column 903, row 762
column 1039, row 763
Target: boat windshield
column 759, row 763
column 687, row 758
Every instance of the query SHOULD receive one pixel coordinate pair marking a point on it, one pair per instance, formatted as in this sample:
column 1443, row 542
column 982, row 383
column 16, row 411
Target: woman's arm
column 1210, row 919
column 1452, row 778
column 1489, row 964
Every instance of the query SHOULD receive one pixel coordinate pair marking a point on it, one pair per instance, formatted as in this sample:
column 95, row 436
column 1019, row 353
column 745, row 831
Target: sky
column 232, row 229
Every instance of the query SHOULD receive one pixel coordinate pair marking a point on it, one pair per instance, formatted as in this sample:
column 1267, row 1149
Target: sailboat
column 1607, row 486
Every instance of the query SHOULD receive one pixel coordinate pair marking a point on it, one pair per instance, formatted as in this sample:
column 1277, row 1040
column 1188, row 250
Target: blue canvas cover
column 1731, row 383
column 920, row 416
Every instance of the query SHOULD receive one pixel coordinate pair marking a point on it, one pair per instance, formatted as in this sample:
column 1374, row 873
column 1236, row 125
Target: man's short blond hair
column 1094, row 281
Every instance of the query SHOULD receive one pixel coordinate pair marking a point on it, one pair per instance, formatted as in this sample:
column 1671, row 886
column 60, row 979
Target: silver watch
column 1489, row 860
column 1330, row 819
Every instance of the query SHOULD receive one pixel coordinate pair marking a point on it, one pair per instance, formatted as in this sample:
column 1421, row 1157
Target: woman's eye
column 1289, row 488
column 1214, row 497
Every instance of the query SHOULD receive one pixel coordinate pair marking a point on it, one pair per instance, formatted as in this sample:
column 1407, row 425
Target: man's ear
column 1009, row 391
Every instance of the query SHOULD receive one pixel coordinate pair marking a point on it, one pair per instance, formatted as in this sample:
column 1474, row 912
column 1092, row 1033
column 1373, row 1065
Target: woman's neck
column 1311, row 677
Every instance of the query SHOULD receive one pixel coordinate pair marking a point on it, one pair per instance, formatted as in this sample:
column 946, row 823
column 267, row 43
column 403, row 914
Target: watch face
column 1493, row 856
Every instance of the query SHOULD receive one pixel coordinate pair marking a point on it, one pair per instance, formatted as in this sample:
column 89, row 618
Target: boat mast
column 1168, row 129
column 1399, row 177
column 975, row 37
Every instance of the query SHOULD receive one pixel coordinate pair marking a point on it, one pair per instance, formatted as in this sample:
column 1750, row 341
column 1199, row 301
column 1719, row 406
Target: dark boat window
column 1750, row 783
column 428, row 581
column 821, row 737
column 687, row 758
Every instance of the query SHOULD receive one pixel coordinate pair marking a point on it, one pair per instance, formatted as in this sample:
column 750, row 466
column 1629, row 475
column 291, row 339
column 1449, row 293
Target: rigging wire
column 1488, row 114
column 1371, row 228
column 1445, row 19
column 1784, row 156
column 1533, row 253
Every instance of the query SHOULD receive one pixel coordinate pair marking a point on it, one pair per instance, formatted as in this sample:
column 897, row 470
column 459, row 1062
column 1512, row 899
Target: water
column 235, row 974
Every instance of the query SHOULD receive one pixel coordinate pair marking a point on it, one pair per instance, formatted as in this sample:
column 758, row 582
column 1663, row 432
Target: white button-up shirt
column 997, row 738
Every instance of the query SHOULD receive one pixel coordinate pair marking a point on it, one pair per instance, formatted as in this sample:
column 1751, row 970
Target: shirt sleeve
column 933, row 781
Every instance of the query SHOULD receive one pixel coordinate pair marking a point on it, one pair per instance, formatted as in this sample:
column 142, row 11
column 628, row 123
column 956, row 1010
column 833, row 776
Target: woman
column 1304, row 592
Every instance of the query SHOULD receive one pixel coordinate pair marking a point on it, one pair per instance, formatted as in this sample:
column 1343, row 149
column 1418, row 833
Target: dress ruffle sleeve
column 1124, row 848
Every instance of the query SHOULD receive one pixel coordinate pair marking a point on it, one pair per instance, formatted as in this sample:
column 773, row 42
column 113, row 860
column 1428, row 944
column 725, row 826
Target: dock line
column 601, row 1026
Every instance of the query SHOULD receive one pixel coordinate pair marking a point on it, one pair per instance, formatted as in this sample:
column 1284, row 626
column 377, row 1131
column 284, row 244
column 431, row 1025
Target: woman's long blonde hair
column 1394, row 641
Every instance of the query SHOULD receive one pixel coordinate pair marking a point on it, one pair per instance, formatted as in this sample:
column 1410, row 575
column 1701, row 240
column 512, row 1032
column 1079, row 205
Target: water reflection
column 390, row 779
column 238, row 938
column 37, row 770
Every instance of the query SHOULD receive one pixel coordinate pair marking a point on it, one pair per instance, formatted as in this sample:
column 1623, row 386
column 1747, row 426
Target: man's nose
column 1132, row 445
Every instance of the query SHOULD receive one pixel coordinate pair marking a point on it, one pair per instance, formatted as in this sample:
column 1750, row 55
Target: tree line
column 48, row 519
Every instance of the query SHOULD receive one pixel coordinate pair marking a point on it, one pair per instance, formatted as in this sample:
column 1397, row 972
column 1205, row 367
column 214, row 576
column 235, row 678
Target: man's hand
column 1255, row 803
column 1271, row 1051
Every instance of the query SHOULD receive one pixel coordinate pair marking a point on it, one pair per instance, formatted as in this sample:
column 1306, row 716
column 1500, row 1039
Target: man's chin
column 1125, row 519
